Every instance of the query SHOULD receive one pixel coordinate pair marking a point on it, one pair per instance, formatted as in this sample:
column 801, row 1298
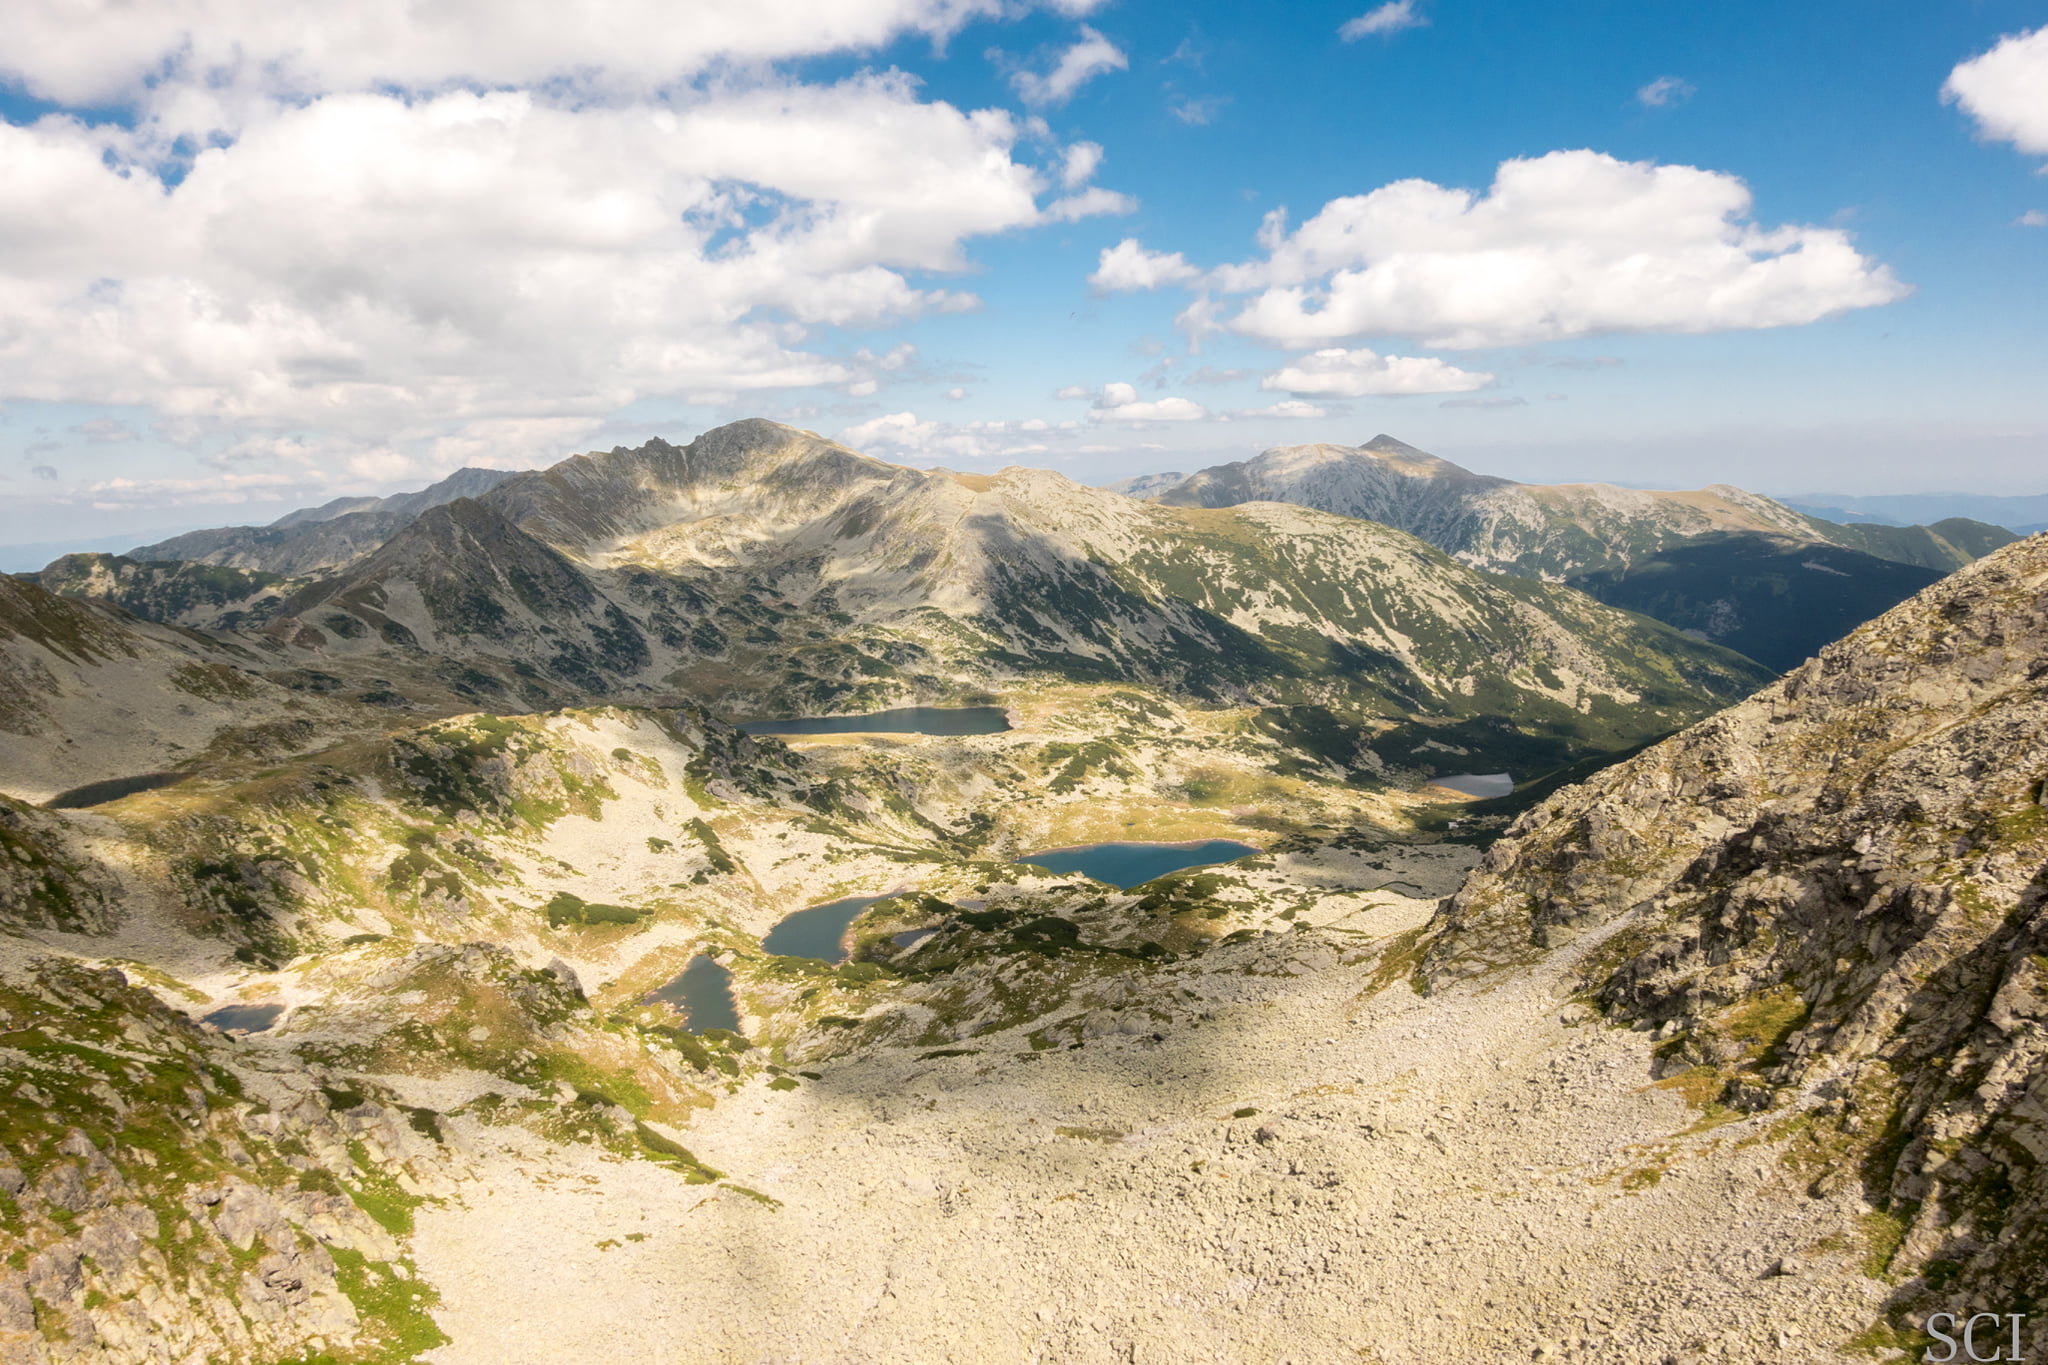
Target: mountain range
column 765, row 569
column 1725, row 564
column 2021, row 515
column 391, row 960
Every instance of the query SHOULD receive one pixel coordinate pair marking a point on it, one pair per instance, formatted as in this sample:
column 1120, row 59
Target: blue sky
column 254, row 256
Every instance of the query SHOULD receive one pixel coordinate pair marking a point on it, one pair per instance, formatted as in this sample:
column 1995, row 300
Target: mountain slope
column 1772, row 598
column 182, row 592
column 316, row 538
column 767, row 569
column 1831, row 898
column 89, row 693
column 1606, row 535
column 1544, row 530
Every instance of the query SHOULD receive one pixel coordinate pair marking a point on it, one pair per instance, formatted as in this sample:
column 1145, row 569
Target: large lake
column 1127, row 865
column 906, row 720
column 704, row 994
column 817, row 932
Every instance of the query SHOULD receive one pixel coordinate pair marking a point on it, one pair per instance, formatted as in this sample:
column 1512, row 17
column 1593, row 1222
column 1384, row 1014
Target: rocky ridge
column 763, row 569
column 316, row 538
column 1553, row 531
column 1827, row 903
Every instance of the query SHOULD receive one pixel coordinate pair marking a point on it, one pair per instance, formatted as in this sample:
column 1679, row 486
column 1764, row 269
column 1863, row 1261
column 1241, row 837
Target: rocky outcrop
column 160, row 1199
column 1833, row 899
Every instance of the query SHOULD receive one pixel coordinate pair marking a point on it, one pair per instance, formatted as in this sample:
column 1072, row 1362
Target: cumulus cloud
column 1088, row 58
column 400, row 267
column 2006, row 91
column 900, row 435
column 201, row 51
column 2032, row 218
column 1388, row 19
column 1119, row 402
column 1128, row 265
column 1338, row 373
column 1664, row 90
column 1570, row 244
column 1083, row 158
column 1291, row 407
column 1073, row 391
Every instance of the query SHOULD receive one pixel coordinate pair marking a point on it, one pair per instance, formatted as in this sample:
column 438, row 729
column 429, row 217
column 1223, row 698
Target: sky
column 255, row 255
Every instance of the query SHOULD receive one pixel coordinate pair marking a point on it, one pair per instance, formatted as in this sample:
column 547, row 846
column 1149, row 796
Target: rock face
column 1833, row 894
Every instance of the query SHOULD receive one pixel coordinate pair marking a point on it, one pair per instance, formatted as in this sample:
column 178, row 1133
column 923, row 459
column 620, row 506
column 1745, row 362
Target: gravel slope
column 1461, row 1177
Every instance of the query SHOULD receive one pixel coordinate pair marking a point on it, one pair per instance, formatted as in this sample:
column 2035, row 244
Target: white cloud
column 1291, row 407
column 201, row 51
column 1665, row 90
column 901, row 435
column 2006, row 91
column 1570, row 244
column 1082, row 160
column 399, row 268
column 955, row 394
column 1128, row 265
column 1072, row 391
column 1338, row 373
column 1087, row 204
column 2031, row 218
column 1119, row 402
column 1197, row 112
column 1389, row 18
column 1090, row 57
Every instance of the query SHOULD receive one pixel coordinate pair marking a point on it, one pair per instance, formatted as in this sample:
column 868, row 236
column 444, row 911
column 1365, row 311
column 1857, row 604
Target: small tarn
column 907, row 720
column 702, row 994
column 247, row 1018
column 1127, row 865
column 818, row 932
column 111, row 789
column 1483, row 785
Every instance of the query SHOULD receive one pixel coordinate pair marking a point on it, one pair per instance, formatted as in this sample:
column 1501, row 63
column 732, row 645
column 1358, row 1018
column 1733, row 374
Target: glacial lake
column 1477, row 784
column 1127, row 865
column 251, row 1018
column 704, row 995
column 905, row 720
column 817, row 932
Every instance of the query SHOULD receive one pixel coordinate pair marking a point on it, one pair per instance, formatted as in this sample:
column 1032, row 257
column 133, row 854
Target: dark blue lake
column 1127, row 865
column 817, row 932
column 253, row 1018
column 704, row 995
column 906, row 720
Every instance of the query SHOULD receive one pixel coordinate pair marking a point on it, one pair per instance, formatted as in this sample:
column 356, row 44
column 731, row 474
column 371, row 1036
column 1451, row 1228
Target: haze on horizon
column 257, row 257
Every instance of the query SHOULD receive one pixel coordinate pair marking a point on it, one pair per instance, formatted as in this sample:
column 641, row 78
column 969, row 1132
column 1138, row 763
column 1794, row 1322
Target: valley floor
column 1478, row 1176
